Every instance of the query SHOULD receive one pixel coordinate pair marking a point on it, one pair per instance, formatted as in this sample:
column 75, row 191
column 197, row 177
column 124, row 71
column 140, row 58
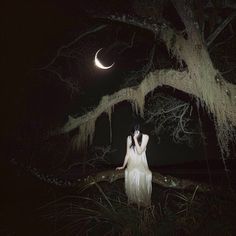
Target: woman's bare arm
column 127, row 154
column 141, row 148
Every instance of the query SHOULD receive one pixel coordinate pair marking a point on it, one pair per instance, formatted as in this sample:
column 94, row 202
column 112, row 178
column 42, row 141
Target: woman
column 138, row 177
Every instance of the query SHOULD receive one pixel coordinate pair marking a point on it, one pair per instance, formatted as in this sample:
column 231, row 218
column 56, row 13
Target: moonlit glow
column 99, row 64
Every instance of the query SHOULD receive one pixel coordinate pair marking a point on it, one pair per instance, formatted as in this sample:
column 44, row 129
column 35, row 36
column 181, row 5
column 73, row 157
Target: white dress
column 138, row 178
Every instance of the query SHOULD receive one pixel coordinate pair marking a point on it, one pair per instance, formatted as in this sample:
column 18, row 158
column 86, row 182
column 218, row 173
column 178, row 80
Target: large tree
column 196, row 76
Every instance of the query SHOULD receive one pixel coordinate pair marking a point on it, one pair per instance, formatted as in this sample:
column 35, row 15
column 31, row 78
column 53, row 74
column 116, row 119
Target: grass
column 103, row 210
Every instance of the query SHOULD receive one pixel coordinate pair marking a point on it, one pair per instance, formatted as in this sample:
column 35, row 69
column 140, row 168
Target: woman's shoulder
column 146, row 135
column 129, row 139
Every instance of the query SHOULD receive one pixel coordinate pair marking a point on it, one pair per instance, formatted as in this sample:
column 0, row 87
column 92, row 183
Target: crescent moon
column 99, row 64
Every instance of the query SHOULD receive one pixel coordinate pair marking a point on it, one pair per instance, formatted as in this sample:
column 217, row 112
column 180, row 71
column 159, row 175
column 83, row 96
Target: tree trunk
column 216, row 95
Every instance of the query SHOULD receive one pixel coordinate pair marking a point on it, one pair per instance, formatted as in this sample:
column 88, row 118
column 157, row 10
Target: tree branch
column 139, row 22
column 166, row 181
column 71, row 85
column 170, row 115
column 111, row 176
column 172, row 78
column 161, row 28
column 219, row 29
column 186, row 14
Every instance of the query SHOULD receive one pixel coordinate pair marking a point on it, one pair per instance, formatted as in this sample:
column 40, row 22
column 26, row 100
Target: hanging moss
column 136, row 96
column 214, row 92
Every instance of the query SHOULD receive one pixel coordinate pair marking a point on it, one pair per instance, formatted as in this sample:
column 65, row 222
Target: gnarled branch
column 220, row 28
column 165, row 181
column 172, row 78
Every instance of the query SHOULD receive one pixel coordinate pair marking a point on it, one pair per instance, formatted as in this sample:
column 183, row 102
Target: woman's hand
column 120, row 168
column 136, row 134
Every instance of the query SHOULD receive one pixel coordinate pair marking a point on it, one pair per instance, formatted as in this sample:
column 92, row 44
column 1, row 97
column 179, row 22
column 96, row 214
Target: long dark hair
column 135, row 126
